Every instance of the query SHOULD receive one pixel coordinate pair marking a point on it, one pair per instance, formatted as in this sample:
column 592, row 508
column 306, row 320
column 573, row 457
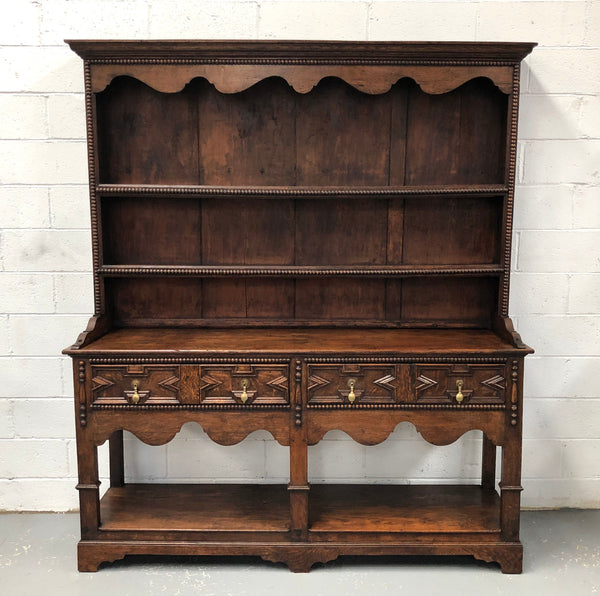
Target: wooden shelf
column 196, row 507
column 294, row 341
column 403, row 508
column 299, row 271
column 299, row 192
column 333, row 508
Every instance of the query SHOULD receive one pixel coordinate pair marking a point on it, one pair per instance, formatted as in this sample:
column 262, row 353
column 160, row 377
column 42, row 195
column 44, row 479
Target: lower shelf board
column 403, row 508
column 332, row 508
column 196, row 507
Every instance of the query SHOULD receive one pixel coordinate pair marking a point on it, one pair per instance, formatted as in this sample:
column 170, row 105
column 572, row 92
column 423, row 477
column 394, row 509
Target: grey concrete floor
column 562, row 557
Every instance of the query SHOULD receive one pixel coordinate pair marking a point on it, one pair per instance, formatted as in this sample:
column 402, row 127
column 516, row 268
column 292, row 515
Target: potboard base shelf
column 234, row 519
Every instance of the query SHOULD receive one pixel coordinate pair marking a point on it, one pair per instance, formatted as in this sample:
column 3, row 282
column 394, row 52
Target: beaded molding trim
column 299, row 271
column 298, row 393
column 197, row 360
column 405, row 407
column 300, row 61
column 409, row 359
column 191, row 407
column 90, row 112
column 82, row 394
column 266, row 360
column 143, row 189
column 512, row 164
column 514, row 405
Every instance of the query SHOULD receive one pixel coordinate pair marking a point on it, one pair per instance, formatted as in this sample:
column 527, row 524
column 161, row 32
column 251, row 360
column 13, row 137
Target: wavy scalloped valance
column 233, row 78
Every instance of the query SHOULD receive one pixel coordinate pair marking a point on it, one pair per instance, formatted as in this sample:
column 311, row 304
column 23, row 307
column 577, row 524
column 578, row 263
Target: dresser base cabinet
column 299, row 237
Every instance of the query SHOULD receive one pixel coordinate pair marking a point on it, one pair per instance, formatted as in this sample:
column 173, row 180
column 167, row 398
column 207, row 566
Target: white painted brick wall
column 45, row 256
column 203, row 20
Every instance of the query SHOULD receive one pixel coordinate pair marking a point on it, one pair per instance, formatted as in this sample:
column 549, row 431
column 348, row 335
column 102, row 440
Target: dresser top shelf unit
column 299, row 184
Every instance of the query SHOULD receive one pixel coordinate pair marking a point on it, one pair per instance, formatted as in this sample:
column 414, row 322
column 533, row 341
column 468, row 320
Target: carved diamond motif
column 170, row 384
column 496, row 382
column 386, row 382
column 424, row 383
column 280, row 383
column 100, row 382
column 315, row 381
column 209, row 383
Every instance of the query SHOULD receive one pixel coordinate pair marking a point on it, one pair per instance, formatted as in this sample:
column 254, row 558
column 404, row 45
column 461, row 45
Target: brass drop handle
column 244, row 396
column 459, row 395
column 135, row 398
column 351, row 395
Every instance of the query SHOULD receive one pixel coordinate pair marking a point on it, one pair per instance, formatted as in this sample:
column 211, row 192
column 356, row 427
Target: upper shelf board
column 234, row 66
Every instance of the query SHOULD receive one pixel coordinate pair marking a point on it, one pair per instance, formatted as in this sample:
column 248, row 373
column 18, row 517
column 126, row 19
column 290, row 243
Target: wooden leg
column 117, row 469
column 488, row 464
column 91, row 555
column 298, row 486
column 510, row 490
column 89, row 492
column 509, row 556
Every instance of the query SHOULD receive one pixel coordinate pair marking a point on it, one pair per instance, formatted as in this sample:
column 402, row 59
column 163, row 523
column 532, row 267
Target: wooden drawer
column 358, row 384
column 191, row 384
column 152, row 384
column 244, row 384
column 352, row 383
column 439, row 383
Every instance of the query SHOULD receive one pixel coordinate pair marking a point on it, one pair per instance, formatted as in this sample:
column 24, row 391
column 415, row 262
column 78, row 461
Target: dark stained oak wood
column 376, row 508
column 129, row 140
column 262, row 508
column 332, row 50
column 245, row 137
column 131, row 229
column 297, row 237
column 327, row 136
column 195, row 507
column 293, row 341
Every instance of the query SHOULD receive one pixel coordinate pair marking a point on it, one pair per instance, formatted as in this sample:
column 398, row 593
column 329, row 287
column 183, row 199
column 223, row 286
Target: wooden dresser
column 299, row 237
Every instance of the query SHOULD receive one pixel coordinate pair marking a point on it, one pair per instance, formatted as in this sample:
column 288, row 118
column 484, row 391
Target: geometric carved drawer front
column 244, row 384
column 354, row 383
column 458, row 383
column 151, row 384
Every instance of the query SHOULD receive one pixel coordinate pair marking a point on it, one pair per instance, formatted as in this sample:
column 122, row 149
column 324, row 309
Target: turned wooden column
column 510, row 484
column 298, row 486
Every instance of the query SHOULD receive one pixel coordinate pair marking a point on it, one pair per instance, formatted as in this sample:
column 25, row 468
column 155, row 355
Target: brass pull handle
column 459, row 395
column 135, row 398
column 351, row 395
column 244, row 396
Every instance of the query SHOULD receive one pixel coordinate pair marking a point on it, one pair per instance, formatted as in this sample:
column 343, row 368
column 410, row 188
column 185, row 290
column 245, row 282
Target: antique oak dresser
column 298, row 237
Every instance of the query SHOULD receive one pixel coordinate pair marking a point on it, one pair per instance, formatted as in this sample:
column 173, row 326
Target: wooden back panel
column 270, row 135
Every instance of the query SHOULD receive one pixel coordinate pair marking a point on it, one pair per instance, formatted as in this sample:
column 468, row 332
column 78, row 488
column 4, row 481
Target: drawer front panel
column 352, row 383
column 458, row 383
column 244, row 384
column 153, row 384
